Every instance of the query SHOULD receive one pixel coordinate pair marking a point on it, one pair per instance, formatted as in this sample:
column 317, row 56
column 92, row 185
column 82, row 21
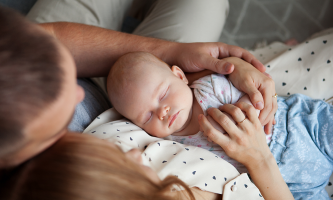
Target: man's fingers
column 268, row 127
column 257, row 64
column 219, row 66
column 255, row 96
column 268, row 75
column 247, row 56
column 244, row 54
column 212, row 133
column 271, row 121
column 268, row 107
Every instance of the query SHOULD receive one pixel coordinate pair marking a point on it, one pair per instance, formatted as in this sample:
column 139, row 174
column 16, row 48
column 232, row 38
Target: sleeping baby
column 157, row 98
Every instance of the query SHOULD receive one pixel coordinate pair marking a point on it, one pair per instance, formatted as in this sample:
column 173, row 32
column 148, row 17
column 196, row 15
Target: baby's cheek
column 155, row 130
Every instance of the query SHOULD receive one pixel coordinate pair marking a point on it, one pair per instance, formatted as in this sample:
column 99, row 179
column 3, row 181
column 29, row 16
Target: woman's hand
column 245, row 141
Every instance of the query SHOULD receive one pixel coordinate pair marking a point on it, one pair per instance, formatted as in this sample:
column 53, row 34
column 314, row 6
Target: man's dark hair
column 30, row 76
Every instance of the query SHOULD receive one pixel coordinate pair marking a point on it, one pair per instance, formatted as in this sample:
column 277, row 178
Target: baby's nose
column 164, row 112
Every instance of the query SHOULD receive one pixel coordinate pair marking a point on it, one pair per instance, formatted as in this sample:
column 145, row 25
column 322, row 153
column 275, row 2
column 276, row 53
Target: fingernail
column 200, row 117
column 228, row 67
column 260, row 105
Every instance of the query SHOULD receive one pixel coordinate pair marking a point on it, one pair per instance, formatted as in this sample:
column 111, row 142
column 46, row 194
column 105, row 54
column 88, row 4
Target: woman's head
column 84, row 167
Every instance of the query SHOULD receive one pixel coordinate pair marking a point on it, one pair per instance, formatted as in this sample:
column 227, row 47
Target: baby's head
column 145, row 90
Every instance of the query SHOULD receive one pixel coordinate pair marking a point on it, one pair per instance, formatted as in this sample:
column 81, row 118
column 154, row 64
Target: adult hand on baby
column 194, row 57
column 260, row 87
column 245, row 141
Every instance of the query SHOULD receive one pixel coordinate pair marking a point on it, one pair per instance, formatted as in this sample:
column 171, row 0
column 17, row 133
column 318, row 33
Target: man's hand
column 193, row 57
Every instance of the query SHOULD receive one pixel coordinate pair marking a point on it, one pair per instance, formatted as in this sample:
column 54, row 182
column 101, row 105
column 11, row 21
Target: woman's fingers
column 245, row 141
column 227, row 124
column 250, row 111
column 212, row 134
column 254, row 94
column 234, row 111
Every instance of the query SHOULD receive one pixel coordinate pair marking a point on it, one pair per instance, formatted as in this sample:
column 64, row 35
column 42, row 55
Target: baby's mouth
column 173, row 118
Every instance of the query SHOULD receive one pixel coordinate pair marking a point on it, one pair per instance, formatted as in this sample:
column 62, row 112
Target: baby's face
column 158, row 100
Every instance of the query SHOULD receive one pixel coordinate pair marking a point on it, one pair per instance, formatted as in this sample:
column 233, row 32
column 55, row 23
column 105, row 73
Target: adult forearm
column 96, row 49
column 267, row 177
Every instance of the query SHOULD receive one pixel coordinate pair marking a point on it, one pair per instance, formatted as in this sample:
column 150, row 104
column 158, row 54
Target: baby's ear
column 179, row 73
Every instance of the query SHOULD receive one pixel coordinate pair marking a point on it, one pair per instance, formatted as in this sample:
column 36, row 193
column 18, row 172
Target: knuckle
column 248, row 80
column 248, row 129
column 218, row 66
column 224, row 119
column 230, row 148
column 239, row 105
column 269, row 106
column 250, row 109
column 236, row 111
column 210, row 134
column 241, row 141
column 255, row 94
column 270, row 82
column 257, row 125
column 213, row 137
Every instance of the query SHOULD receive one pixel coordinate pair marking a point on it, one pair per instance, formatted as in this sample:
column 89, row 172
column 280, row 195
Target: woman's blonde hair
column 82, row 167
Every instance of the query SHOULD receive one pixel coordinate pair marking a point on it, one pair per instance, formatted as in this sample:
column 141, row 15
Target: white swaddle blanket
column 195, row 166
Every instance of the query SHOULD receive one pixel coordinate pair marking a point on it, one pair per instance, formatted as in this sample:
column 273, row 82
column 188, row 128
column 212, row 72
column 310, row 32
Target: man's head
column 38, row 88
column 145, row 90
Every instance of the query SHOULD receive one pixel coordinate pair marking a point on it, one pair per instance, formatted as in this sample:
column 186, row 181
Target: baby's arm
column 196, row 75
